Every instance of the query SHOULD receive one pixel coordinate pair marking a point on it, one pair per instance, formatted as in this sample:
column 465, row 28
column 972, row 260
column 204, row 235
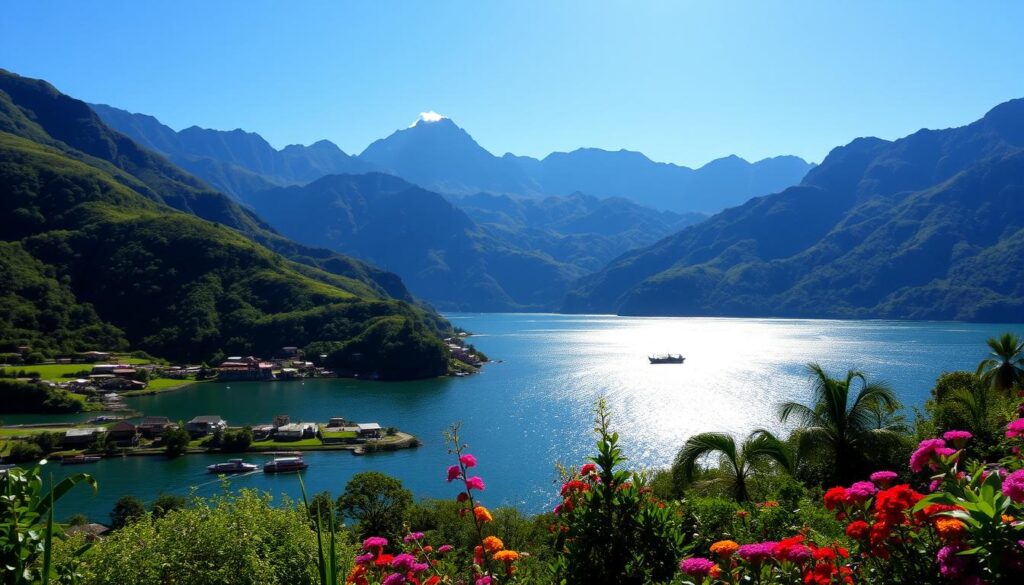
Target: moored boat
column 284, row 465
column 666, row 358
column 78, row 459
column 232, row 466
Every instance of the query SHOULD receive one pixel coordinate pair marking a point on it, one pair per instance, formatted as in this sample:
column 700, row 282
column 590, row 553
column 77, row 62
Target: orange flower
column 482, row 515
column 493, row 543
column 950, row 528
column 725, row 548
column 770, row 504
column 715, row 571
column 506, row 556
column 1007, row 518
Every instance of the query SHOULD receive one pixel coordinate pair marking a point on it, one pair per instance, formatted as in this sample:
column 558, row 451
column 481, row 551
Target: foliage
column 127, row 510
column 1004, row 370
column 164, row 504
column 377, row 502
column 23, row 452
column 27, row 529
column 736, row 466
column 845, row 427
column 27, row 397
column 176, row 440
column 236, row 440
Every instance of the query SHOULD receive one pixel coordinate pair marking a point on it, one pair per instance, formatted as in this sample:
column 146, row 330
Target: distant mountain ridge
column 438, row 155
column 930, row 226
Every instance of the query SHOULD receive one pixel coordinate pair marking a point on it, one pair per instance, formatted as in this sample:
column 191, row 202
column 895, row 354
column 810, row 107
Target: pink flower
column 1013, row 486
column 403, row 562
column 926, row 453
column 413, row 536
column 393, row 579
column 756, row 552
column 373, row 542
column 485, row 580
column 475, row 483
column 1015, row 428
column 445, row 548
column 957, row 438
column 468, row 460
column 860, row 492
column 951, row 565
column 365, row 558
column 884, row 478
column 453, row 473
column 696, row 567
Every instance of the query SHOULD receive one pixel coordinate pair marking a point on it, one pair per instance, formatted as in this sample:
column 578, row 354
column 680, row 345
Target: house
column 92, row 532
column 337, row 421
column 202, row 425
column 94, row 356
column 289, row 373
column 296, row 431
column 262, row 432
column 123, row 434
column 244, row 368
column 82, row 437
column 154, row 426
column 368, row 430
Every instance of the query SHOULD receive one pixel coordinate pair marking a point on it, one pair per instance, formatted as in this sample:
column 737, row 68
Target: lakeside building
column 368, row 430
column 154, row 426
column 82, row 437
column 245, row 368
column 123, row 434
column 202, row 425
column 296, row 431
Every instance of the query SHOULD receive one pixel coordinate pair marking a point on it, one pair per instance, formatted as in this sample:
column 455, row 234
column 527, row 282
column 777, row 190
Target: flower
column 475, row 483
column 927, row 451
column 481, row 514
column 393, row 579
column 462, row 497
column 835, row 497
column 364, row 558
column 506, row 556
column 433, row 580
column 951, row 565
column 468, row 460
column 756, row 552
column 724, row 548
column 413, row 537
column 891, row 504
column 375, row 542
column 958, row 438
column 445, row 548
column 493, row 543
column 857, row 529
column 792, row 549
column 1013, row 485
column 696, row 566
column 1015, row 428
column 950, row 528
column 884, row 478
column 485, row 580
column 860, row 492
column 403, row 562
column 453, row 473
column 587, row 469
column 383, row 560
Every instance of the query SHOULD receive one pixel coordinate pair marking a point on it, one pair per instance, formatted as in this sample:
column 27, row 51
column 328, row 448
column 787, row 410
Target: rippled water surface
column 533, row 408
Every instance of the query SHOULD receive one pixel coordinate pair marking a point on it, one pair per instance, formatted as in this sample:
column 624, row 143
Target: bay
column 532, row 409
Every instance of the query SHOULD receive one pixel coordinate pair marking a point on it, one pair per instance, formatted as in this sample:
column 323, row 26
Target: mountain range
column 106, row 244
column 930, row 226
column 436, row 154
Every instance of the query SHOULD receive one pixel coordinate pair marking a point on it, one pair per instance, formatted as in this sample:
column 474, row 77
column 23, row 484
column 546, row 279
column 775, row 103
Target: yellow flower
column 482, row 515
column 725, row 548
column 493, row 543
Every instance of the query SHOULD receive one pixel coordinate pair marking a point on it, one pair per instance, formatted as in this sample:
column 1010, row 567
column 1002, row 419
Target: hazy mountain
column 108, row 245
column 442, row 254
column 930, row 226
column 234, row 161
column 577, row 229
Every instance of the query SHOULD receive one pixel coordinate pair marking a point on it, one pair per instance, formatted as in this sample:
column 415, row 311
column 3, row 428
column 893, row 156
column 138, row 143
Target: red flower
column 835, row 498
column 857, row 529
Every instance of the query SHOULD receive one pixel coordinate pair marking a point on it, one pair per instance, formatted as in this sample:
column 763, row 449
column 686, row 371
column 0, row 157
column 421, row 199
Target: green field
column 158, row 385
column 284, row 445
column 52, row 372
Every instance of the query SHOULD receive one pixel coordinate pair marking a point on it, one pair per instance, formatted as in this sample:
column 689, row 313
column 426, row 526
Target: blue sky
column 681, row 81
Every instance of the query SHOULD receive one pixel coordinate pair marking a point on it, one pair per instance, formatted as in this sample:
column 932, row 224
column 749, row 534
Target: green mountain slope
column 926, row 227
column 92, row 257
column 437, row 249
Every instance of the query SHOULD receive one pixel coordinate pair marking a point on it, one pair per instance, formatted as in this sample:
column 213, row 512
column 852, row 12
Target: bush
column 127, row 510
column 18, row 397
column 24, row 452
column 236, row 440
column 176, row 440
column 165, row 504
column 378, row 502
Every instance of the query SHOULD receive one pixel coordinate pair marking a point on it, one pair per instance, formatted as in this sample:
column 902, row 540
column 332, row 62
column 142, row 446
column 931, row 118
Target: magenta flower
column 485, row 580
column 958, row 438
column 926, row 452
column 756, row 552
column 884, row 478
column 413, row 536
column 1013, row 486
column 365, row 558
column 860, row 492
column 453, row 473
column 1015, row 428
column 475, row 483
column 951, row 565
column 373, row 542
column 696, row 567
column 393, row 579
column 468, row 460
column 403, row 562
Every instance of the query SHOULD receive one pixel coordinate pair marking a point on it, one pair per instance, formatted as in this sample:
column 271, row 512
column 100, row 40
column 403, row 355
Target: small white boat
column 284, row 465
column 232, row 466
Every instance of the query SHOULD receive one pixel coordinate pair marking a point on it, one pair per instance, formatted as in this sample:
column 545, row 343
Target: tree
column 735, row 466
column 236, row 440
column 176, row 440
column 378, row 502
column 166, row 503
column 322, row 507
column 126, row 510
column 77, row 520
column 845, row 431
column 1005, row 368
column 23, row 452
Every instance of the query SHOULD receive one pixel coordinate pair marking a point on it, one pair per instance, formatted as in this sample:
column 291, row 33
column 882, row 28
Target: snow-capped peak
column 428, row 118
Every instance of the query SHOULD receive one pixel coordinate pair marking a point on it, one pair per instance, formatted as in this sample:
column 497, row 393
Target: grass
column 338, row 434
column 158, row 385
column 52, row 372
column 284, row 445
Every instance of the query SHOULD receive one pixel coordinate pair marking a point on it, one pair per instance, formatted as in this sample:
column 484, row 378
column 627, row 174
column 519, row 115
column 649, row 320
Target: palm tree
column 736, row 466
column 847, row 431
column 1005, row 369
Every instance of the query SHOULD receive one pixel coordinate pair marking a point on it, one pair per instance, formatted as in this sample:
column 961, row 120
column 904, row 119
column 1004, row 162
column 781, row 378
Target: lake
column 533, row 408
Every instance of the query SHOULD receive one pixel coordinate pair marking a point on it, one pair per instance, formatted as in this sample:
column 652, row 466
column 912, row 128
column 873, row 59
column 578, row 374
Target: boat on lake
column 79, row 459
column 666, row 358
column 284, row 465
column 232, row 466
